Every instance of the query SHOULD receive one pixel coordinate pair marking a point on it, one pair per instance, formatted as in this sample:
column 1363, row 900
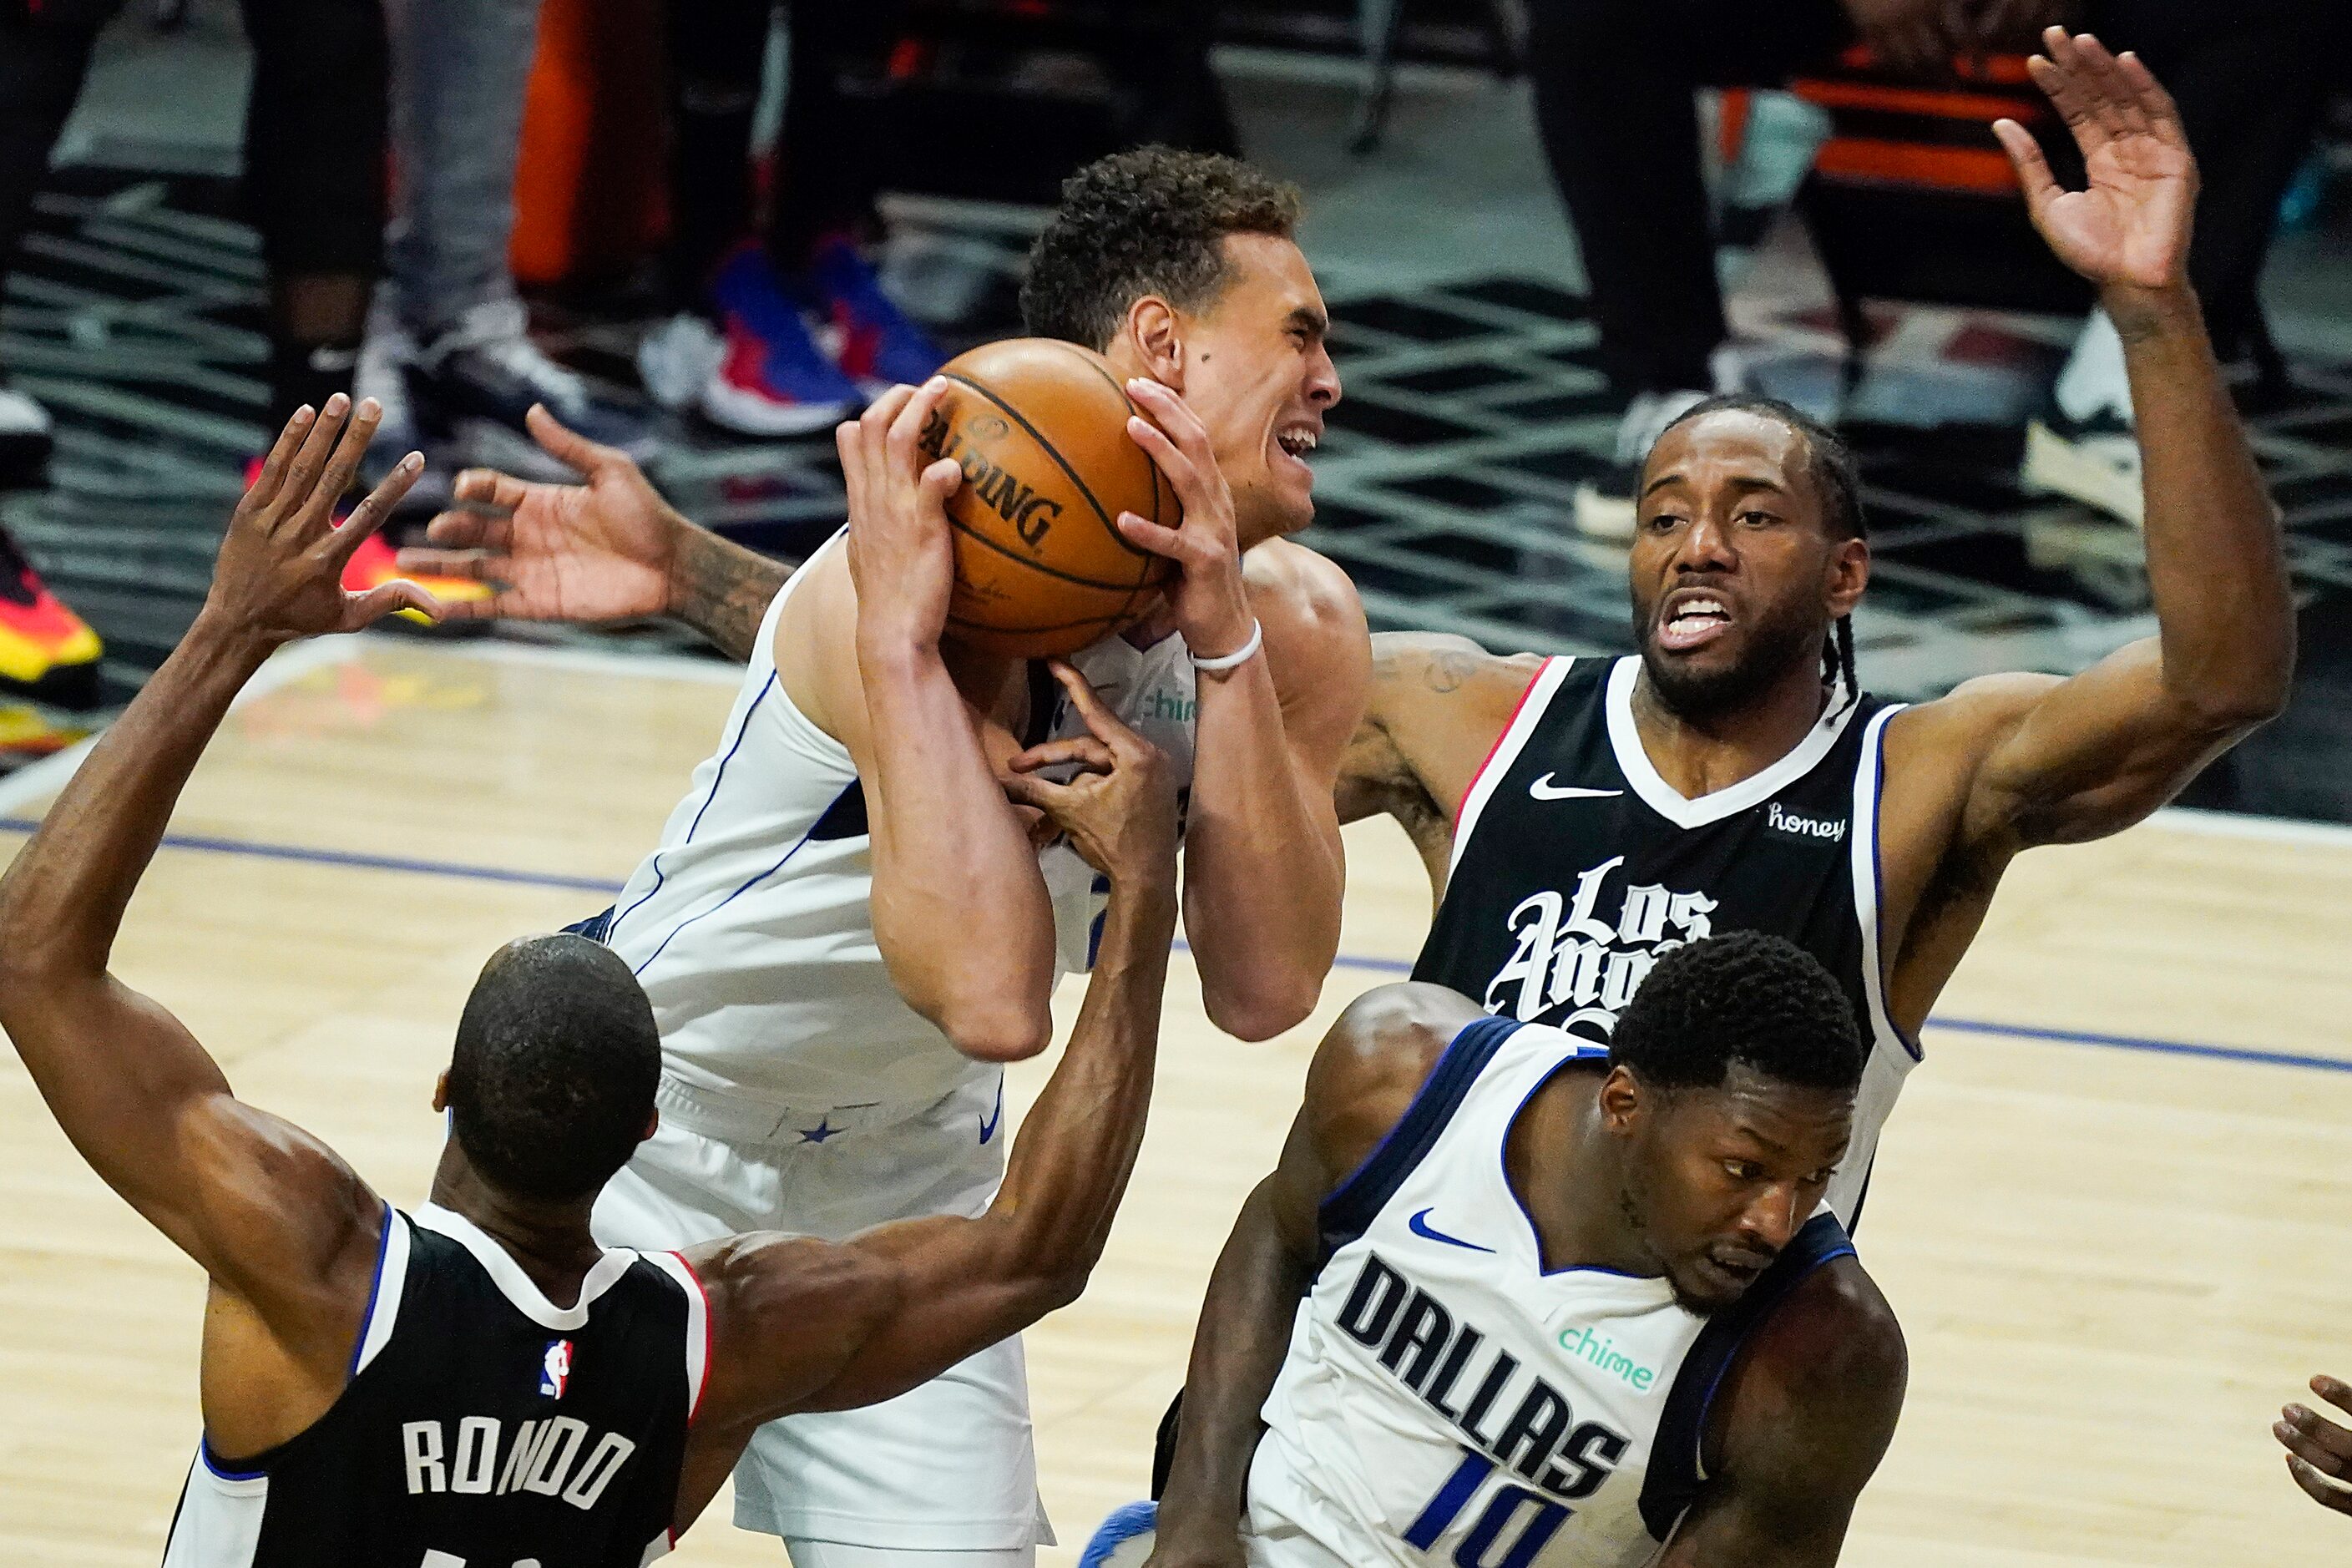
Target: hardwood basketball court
column 2110, row 1209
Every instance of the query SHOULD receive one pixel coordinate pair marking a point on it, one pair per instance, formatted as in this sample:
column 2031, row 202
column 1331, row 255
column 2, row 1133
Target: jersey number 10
column 1482, row 1548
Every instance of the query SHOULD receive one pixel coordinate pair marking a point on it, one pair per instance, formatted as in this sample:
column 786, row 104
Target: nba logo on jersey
column 555, row 1368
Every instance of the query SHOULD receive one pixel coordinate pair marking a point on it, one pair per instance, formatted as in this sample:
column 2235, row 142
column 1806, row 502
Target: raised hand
column 596, row 552
column 1119, row 809
column 2130, row 227
column 901, row 558
column 1211, row 608
column 280, row 571
column 2318, row 1451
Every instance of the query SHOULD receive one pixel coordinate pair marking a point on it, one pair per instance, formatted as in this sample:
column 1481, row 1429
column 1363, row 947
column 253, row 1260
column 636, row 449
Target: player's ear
column 1623, row 1100
column 653, row 1125
column 1158, row 334
column 1849, row 574
column 441, row 1091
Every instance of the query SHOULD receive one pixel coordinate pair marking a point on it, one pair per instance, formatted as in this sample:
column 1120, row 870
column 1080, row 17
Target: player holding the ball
column 850, row 922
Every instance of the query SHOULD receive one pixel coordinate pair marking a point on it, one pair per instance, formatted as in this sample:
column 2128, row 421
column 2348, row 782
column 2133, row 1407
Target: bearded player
column 847, row 929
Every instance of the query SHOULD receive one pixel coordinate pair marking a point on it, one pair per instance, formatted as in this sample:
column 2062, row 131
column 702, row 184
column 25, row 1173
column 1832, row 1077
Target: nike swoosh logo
column 1544, row 789
column 988, row 1123
column 1419, row 1225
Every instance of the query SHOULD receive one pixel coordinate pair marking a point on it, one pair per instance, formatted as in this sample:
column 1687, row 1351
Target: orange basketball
column 1040, row 427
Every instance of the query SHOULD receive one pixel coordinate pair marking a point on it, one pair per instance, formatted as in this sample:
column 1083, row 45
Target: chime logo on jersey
column 555, row 1368
column 1566, row 954
column 1512, row 1414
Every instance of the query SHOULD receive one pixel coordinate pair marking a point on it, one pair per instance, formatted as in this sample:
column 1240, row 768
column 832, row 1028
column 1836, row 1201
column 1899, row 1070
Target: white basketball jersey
column 751, row 926
column 1446, row 1400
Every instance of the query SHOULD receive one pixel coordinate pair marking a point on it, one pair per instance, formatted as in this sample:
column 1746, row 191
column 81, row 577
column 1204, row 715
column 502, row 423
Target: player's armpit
column 1799, row 1428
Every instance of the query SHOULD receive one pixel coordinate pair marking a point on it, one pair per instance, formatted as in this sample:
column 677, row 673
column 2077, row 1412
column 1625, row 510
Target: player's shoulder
column 1372, row 1063
column 1823, row 1374
column 1984, row 704
column 767, row 1290
column 1411, row 665
column 1304, row 598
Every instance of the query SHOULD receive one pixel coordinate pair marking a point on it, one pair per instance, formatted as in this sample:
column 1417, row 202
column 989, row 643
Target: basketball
column 1040, row 429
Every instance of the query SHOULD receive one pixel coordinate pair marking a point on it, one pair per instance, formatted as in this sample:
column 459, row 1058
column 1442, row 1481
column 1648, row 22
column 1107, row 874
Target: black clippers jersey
column 482, row 1427
column 1575, row 866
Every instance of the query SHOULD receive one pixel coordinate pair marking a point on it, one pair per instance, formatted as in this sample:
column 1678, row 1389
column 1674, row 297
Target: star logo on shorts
column 824, row 1129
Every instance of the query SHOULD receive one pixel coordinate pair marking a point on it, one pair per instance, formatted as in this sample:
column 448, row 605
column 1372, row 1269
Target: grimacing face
column 1719, row 1181
column 1734, row 573
column 1259, row 375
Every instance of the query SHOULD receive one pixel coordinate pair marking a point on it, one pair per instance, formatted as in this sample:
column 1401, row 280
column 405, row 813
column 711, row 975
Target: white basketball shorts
column 947, row 1466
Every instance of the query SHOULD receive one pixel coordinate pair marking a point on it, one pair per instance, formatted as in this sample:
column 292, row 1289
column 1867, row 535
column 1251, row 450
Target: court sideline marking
column 37, row 779
column 601, row 887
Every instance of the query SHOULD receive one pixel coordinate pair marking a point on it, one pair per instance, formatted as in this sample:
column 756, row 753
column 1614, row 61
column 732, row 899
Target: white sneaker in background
column 2095, row 461
column 1604, row 503
column 679, row 358
column 25, row 436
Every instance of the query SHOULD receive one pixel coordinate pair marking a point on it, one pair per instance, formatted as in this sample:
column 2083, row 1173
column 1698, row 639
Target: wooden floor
column 2114, row 1264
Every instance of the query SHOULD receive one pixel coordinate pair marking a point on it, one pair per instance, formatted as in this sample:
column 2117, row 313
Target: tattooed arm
column 723, row 590
column 608, row 550
column 1438, row 704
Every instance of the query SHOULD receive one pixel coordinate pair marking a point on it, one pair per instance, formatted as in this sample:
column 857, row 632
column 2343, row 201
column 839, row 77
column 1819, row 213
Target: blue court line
column 601, row 887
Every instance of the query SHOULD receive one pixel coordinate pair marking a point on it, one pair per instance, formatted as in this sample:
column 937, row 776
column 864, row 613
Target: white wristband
column 1234, row 659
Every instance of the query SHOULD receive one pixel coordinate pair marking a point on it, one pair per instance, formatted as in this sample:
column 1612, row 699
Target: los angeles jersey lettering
column 1576, row 867
column 483, row 1426
column 1445, row 1400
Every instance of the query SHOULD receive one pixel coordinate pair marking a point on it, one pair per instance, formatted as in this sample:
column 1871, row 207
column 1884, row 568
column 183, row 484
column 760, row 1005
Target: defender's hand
column 901, row 557
column 2129, row 229
column 2319, row 1452
column 593, row 551
column 1119, row 811
column 281, row 570
column 1211, row 609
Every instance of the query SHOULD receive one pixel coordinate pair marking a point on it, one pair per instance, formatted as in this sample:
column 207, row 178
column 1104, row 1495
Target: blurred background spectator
column 1614, row 85
column 449, row 354
column 719, row 256
column 314, row 135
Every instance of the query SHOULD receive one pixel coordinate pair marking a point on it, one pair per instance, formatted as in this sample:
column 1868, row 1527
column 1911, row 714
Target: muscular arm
column 286, row 1230
column 1801, row 1424
column 2077, row 758
column 1438, row 704
column 723, row 590
column 1364, row 1075
column 1264, row 870
column 2014, row 760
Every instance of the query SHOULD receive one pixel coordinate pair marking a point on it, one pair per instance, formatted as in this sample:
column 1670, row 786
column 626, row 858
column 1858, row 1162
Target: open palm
column 593, row 551
column 2130, row 225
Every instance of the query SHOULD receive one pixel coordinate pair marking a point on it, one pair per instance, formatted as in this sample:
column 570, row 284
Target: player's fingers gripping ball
column 1039, row 428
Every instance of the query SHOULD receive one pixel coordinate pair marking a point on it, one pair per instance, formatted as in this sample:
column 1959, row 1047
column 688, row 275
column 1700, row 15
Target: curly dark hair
column 1828, row 462
column 552, row 1082
column 1149, row 221
column 1761, row 1001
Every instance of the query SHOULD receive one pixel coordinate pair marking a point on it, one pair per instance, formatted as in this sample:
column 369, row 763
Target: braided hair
column 1828, row 462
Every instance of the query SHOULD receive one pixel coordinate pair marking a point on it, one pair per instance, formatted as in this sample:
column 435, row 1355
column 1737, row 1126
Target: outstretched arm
column 801, row 1326
column 2058, row 760
column 608, row 550
column 271, row 1213
column 1364, row 1075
